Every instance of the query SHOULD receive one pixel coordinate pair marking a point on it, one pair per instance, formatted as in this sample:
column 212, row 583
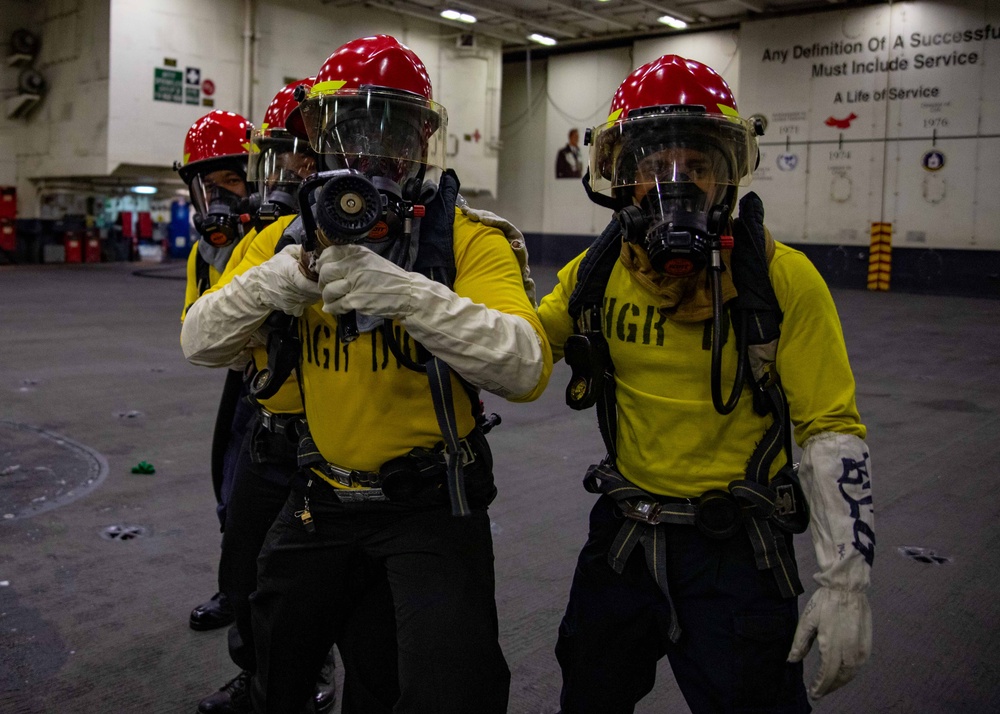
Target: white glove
column 220, row 323
column 836, row 480
column 354, row 278
column 281, row 285
column 490, row 349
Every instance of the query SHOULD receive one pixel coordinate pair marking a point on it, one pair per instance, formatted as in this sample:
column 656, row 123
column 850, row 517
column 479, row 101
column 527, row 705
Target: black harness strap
column 436, row 260
column 202, row 275
column 586, row 307
column 436, row 230
column 756, row 307
column 438, row 373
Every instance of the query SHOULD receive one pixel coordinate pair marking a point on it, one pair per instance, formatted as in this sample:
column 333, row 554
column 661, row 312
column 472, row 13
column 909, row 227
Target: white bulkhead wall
column 288, row 43
column 145, row 36
column 66, row 134
column 16, row 15
column 101, row 114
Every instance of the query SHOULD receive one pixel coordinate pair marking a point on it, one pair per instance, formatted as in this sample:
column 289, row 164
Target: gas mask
column 345, row 206
column 280, row 202
column 278, row 172
column 220, row 224
column 676, row 227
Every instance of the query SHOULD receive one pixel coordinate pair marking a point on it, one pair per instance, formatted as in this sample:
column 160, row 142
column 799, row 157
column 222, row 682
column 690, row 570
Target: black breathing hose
column 715, row 273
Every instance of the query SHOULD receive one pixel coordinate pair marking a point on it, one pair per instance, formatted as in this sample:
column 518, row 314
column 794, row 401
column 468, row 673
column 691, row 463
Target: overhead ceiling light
column 456, row 15
column 672, row 22
column 541, row 39
column 144, row 189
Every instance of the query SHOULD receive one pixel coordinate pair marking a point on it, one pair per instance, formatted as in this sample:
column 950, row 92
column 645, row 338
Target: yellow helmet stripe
column 327, row 87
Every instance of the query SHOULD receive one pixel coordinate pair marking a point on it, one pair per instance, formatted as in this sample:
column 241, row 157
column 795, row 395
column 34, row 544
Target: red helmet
column 378, row 61
column 677, row 104
column 282, row 112
column 371, row 108
column 215, row 169
column 279, row 159
column 216, row 136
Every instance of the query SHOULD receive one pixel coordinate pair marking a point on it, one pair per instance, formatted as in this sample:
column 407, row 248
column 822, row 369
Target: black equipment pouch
column 587, row 356
column 274, row 440
column 283, row 350
column 791, row 510
column 718, row 515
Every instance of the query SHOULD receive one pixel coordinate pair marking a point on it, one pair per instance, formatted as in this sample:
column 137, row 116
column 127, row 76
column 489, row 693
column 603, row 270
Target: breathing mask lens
column 219, row 202
column 675, row 192
column 378, row 139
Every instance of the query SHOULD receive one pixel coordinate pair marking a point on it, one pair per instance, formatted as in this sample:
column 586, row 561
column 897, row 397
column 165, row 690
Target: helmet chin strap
column 615, row 204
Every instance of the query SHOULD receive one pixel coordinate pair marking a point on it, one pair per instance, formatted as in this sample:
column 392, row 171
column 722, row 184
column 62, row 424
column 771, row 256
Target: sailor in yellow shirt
column 689, row 552
column 384, row 469
column 214, row 168
column 266, row 463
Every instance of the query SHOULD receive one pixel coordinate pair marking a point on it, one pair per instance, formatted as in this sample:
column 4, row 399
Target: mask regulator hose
column 715, row 268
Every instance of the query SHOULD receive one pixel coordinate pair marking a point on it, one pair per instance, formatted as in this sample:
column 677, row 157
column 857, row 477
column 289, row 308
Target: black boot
column 233, row 697
column 213, row 614
column 325, row 695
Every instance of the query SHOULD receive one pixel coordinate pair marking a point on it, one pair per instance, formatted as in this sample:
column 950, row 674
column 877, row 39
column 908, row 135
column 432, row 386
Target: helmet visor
column 709, row 150
column 395, row 135
column 217, row 192
column 278, row 164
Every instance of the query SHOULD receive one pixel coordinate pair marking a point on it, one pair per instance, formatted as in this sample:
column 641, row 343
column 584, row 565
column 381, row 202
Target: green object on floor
column 143, row 467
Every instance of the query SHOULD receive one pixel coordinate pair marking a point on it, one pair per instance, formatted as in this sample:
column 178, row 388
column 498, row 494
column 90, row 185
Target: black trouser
column 243, row 414
column 266, row 468
column 737, row 629
column 259, row 491
column 439, row 568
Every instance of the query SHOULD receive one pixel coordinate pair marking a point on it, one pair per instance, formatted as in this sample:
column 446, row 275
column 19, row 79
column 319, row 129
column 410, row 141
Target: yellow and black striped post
column 880, row 257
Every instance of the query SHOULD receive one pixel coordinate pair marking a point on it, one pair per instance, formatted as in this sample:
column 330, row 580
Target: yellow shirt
column 287, row 399
column 670, row 439
column 192, row 291
column 362, row 405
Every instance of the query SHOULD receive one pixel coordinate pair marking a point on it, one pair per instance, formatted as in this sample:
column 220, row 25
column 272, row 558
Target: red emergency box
column 8, row 235
column 8, row 203
column 74, row 247
column 91, row 247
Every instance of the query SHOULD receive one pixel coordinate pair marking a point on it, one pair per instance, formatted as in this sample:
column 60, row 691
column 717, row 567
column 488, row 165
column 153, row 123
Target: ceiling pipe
column 431, row 17
column 590, row 15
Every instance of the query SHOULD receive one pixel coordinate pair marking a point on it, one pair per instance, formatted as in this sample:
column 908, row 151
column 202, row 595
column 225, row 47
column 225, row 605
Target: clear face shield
column 394, row 138
column 218, row 198
column 675, row 176
column 278, row 164
column 376, row 148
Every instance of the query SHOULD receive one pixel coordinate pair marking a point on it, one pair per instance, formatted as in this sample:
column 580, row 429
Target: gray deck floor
column 92, row 377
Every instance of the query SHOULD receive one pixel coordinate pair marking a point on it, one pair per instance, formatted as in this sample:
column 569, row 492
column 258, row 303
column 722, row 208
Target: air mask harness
column 756, row 317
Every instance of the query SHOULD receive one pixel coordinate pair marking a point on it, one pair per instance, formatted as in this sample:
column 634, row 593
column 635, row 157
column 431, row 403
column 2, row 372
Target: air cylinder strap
column 640, row 527
column 439, row 375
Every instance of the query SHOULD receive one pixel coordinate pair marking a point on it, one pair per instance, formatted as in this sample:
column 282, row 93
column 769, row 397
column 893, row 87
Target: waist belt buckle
column 468, row 454
column 643, row 511
column 266, row 419
column 274, row 423
column 341, row 475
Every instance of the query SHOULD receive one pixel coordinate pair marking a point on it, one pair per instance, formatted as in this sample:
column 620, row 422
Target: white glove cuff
column 219, row 324
column 836, row 479
column 493, row 350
